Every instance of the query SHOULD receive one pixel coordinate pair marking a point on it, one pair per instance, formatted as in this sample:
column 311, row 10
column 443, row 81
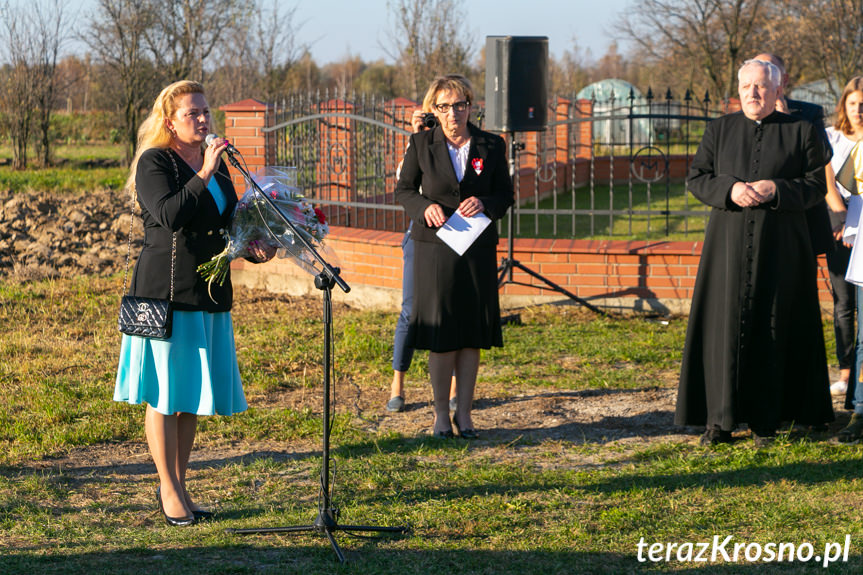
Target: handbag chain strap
column 173, row 235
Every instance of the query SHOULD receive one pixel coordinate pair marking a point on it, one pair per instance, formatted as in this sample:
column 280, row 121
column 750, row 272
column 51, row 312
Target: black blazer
column 191, row 211
column 427, row 163
column 817, row 217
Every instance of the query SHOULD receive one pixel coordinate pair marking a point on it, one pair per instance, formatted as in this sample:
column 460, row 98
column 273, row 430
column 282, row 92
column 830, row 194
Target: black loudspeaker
column 516, row 75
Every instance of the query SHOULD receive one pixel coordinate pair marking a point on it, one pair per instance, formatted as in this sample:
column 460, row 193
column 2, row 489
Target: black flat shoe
column 715, row 436
column 202, row 515
column 443, row 434
column 173, row 521
column 463, row 433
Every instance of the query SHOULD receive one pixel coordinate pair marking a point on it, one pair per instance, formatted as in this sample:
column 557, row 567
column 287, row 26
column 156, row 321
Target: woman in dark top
column 454, row 166
column 184, row 190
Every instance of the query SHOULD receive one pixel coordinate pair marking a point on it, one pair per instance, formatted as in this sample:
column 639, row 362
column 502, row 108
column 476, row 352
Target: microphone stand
column 327, row 520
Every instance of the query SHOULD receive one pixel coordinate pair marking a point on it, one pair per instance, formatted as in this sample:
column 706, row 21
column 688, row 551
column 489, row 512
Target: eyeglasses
column 457, row 106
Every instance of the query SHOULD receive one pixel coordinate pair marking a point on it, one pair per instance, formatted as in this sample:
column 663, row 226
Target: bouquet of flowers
column 255, row 221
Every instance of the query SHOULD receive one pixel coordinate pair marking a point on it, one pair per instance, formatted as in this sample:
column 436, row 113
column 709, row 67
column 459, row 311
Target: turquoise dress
column 195, row 371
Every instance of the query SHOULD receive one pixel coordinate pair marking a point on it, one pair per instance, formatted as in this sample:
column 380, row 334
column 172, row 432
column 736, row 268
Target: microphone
column 230, row 147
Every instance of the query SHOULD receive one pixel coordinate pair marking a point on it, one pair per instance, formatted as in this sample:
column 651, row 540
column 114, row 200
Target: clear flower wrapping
column 255, row 220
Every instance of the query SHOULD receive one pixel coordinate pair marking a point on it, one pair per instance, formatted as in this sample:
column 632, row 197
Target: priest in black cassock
column 754, row 349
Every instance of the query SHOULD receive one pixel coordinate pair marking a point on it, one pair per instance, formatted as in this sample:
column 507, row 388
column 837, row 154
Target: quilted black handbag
column 146, row 317
column 143, row 316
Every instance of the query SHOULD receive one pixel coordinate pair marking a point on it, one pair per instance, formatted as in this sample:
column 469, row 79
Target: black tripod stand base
column 327, row 519
column 508, row 264
column 325, row 523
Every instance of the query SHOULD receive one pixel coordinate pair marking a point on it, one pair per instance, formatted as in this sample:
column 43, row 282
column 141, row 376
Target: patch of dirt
column 45, row 235
column 537, row 428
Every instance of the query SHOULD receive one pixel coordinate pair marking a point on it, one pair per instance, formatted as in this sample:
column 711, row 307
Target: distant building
column 622, row 103
column 612, row 98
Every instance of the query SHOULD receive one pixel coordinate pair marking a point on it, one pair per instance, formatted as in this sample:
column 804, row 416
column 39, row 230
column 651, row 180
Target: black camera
column 429, row 120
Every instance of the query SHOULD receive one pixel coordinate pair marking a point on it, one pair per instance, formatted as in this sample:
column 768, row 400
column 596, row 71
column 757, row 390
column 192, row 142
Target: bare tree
column 428, row 38
column 116, row 37
column 572, row 72
column 258, row 55
column 304, row 75
column 48, row 21
column 236, row 75
column 822, row 38
column 74, row 74
column 275, row 43
column 184, row 33
column 702, row 39
column 18, row 99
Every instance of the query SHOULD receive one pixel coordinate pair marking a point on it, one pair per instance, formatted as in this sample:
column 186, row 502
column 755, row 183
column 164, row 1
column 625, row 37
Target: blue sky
column 337, row 28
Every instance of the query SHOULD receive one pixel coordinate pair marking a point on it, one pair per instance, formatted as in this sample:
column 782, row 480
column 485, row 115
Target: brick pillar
column 584, row 133
column 561, row 131
column 244, row 125
column 530, row 157
column 400, row 111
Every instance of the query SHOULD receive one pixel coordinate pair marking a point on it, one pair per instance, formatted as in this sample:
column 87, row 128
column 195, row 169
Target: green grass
column 554, row 217
column 565, row 505
column 79, row 167
column 58, row 342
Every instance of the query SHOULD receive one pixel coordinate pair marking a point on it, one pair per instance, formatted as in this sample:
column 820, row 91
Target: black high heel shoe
column 173, row 521
column 463, row 433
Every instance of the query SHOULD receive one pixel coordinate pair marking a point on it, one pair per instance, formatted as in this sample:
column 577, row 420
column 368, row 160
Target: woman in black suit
column 454, row 166
column 186, row 198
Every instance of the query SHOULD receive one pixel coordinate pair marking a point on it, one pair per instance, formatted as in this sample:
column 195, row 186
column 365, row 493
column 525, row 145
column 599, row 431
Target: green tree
column 377, row 78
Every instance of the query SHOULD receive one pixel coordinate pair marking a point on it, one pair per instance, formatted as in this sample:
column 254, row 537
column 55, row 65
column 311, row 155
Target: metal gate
column 602, row 169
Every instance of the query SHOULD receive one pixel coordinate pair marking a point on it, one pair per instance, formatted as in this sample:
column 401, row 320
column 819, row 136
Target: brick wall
column 657, row 276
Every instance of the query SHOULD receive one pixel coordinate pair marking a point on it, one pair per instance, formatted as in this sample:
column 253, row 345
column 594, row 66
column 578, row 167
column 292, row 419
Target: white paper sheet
column 854, row 273
column 852, row 218
column 460, row 232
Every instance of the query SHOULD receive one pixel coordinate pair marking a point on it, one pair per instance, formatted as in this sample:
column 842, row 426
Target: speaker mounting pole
column 516, row 100
column 509, row 263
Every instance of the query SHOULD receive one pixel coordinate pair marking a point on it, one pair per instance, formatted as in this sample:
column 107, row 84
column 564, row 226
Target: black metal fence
column 610, row 168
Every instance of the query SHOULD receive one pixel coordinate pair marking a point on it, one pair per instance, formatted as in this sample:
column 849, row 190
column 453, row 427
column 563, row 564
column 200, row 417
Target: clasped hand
column 261, row 251
column 749, row 194
column 469, row 207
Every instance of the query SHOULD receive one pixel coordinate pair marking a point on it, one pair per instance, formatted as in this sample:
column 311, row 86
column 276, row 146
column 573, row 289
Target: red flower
column 322, row 218
column 477, row 165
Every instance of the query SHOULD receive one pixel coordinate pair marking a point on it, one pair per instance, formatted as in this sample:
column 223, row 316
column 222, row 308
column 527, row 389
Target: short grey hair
column 774, row 74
